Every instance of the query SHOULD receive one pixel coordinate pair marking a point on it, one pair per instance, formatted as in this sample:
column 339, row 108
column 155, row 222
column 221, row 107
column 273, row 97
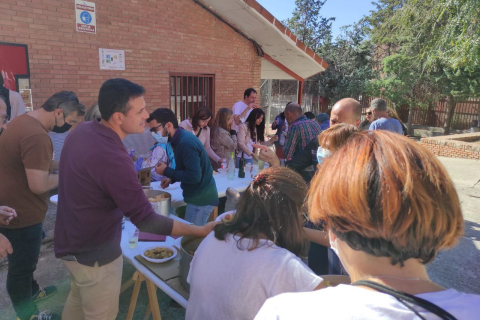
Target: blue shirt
column 391, row 124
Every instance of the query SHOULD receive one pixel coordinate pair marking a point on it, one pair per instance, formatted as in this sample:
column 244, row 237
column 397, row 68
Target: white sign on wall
column 85, row 16
column 111, row 59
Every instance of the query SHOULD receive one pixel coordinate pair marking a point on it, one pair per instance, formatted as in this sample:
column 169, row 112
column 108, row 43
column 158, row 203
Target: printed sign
column 111, row 59
column 86, row 18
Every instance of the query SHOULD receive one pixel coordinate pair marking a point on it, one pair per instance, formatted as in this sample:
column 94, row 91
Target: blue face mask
column 159, row 138
column 322, row 154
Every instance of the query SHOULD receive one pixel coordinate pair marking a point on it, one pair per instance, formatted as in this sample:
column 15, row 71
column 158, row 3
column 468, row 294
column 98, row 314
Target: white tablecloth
column 239, row 184
column 129, row 255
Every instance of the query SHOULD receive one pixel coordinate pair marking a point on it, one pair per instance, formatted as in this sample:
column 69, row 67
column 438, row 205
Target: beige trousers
column 94, row 292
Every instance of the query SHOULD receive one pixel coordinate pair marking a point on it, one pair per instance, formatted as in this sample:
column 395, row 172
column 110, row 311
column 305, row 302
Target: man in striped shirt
column 301, row 131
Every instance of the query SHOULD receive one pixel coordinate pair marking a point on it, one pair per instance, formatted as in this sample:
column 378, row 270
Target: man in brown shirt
column 26, row 154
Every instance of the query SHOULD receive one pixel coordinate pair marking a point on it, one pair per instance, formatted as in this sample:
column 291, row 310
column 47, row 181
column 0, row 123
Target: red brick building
column 184, row 52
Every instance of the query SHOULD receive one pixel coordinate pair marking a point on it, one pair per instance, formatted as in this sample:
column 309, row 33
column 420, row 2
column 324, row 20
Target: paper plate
column 220, row 217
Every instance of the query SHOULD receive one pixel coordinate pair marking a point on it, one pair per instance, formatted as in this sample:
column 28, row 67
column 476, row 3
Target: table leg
column 148, row 310
column 139, row 278
column 128, row 283
column 152, row 297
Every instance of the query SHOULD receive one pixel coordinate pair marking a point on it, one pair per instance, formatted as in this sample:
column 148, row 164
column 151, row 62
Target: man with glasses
column 162, row 149
column 26, row 154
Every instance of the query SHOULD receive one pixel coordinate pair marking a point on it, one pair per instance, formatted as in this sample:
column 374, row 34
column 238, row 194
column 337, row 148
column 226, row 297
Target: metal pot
column 161, row 207
column 188, row 246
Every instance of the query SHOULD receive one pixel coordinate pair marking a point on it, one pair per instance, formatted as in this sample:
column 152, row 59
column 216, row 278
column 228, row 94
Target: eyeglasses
column 5, row 117
column 154, row 129
column 369, row 113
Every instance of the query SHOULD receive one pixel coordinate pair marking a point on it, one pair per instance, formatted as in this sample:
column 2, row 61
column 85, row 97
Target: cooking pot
column 160, row 207
column 188, row 246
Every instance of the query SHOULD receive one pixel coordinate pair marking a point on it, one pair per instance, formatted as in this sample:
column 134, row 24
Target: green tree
column 308, row 25
column 402, row 82
column 441, row 39
column 350, row 60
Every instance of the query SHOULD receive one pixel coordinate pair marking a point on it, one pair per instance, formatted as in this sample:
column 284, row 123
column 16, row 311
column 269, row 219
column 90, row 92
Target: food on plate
column 159, row 253
column 158, row 198
column 227, row 218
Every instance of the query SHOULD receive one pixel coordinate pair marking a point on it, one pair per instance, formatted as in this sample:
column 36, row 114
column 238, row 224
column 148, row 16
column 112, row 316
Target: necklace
column 396, row 278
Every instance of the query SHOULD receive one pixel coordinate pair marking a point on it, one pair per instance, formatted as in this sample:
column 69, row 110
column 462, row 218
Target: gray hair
column 378, row 105
column 93, row 113
column 66, row 100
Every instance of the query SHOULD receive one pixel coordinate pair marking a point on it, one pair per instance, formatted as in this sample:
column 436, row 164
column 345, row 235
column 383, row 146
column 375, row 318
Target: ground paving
column 458, row 268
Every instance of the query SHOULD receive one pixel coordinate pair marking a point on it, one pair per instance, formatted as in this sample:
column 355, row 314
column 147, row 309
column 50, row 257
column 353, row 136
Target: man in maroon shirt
column 98, row 185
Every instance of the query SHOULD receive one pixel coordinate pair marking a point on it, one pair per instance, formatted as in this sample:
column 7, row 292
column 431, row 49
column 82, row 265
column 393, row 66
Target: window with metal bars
column 191, row 91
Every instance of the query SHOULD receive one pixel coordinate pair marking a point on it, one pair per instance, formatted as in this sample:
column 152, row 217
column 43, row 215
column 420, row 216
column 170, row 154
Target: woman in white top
column 251, row 132
column 256, row 255
column 198, row 125
column 390, row 207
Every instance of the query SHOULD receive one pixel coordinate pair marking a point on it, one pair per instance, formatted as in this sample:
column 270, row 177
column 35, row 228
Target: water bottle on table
column 231, row 167
column 223, row 168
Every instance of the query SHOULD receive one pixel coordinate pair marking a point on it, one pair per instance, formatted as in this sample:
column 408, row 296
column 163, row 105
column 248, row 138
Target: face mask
column 322, row 154
column 62, row 129
column 333, row 245
column 66, row 126
column 159, row 138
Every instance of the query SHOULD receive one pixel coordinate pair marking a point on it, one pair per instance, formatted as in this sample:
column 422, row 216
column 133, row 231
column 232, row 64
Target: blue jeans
column 21, row 264
column 198, row 215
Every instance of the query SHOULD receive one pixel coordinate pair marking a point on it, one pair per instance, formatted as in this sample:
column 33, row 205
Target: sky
column 346, row 12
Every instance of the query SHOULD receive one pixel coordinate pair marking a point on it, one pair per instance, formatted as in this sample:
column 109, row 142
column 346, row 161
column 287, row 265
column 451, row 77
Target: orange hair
column 388, row 196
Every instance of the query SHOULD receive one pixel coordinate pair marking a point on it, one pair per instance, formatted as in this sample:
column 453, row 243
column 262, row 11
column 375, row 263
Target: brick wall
column 451, row 146
column 158, row 37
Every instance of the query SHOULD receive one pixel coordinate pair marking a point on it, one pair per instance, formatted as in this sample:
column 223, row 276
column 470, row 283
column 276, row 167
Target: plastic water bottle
column 248, row 170
column 223, row 167
column 231, row 167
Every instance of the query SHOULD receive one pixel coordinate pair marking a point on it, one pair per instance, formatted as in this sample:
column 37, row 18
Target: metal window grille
column 189, row 92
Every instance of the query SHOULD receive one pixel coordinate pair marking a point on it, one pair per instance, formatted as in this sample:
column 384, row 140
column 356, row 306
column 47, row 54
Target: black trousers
column 21, row 265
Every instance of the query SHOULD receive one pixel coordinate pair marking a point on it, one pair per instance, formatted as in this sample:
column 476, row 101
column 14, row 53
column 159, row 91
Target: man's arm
column 156, row 224
column 191, row 160
column 290, row 143
column 238, row 115
column 317, row 236
column 304, row 159
column 40, row 181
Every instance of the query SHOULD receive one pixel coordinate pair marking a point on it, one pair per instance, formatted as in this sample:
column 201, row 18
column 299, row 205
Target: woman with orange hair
column 390, row 207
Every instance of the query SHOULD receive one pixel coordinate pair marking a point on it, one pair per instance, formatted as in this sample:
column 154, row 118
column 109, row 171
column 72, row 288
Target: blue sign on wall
column 85, row 17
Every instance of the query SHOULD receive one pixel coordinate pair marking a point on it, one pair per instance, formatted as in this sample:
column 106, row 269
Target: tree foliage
column 440, row 39
column 445, row 32
column 308, row 25
column 349, row 55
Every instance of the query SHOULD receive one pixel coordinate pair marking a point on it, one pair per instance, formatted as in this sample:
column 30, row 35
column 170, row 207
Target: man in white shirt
column 242, row 109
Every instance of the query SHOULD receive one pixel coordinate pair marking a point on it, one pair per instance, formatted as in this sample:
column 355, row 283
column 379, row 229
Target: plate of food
column 226, row 216
column 159, row 253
